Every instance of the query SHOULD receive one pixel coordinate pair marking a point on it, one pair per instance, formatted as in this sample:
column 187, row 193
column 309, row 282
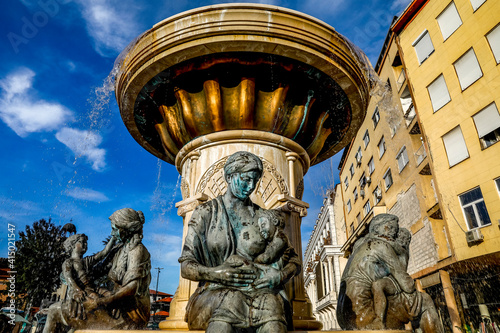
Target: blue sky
column 65, row 151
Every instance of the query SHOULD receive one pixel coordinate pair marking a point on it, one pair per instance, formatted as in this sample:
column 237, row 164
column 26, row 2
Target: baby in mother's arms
column 261, row 244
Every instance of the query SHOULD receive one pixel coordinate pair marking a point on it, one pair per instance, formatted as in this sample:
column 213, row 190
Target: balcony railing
column 401, row 79
column 420, row 154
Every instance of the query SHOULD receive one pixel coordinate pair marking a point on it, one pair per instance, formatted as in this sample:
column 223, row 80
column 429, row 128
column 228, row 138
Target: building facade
column 386, row 168
column 324, row 261
column 451, row 57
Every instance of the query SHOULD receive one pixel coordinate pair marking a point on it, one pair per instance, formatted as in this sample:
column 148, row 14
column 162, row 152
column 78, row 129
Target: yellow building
column 451, row 56
column 387, row 169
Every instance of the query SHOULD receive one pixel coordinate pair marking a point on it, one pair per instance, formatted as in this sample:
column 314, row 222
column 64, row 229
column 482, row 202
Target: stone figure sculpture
column 240, row 256
column 128, row 267
column 376, row 292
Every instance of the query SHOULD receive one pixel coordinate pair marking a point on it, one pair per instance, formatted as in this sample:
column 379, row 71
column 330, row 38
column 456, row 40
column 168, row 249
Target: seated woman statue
column 128, row 267
column 240, row 256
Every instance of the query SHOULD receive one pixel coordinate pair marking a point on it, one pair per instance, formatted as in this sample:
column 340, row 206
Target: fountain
column 209, row 82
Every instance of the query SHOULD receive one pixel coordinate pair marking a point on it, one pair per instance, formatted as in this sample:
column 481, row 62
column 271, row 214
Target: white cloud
column 399, row 5
column 165, row 249
column 86, row 194
column 110, row 23
column 20, row 109
column 84, row 144
column 14, row 210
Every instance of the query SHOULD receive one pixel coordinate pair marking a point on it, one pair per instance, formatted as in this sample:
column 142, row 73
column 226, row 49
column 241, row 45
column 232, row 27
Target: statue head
column 404, row 238
column 125, row 223
column 242, row 171
column 269, row 221
column 385, row 225
column 71, row 242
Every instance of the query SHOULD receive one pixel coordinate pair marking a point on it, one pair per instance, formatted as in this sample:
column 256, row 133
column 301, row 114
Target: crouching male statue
column 376, row 292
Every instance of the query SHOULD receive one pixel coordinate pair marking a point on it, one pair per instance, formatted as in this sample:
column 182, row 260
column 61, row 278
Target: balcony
column 401, row 79
column 420, row 154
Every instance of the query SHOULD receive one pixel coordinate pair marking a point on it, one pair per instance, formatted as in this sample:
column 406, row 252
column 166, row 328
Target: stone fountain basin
column 218, row 33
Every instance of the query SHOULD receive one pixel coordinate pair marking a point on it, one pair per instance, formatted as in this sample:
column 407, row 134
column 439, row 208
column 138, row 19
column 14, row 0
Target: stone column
column 302, row 308
column 175, row 321
column 451, row 303
column 333, row 287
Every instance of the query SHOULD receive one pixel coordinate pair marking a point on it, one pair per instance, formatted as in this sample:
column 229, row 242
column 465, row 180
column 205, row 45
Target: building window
column 488, row 125
column 438, row 92
column 355, row 193
column 366, row 139
column 351, row 229
column 423, row 46
column 449, row 20
column 367, row 208
column 359, row 156
column 375, row 117
column 455, row 146
column 346, row 182
column 381, row 147
column 476, row 4
column 371, row 166
column 388, row 179
column 493, row 38
column 468, row 69
column 362, row 180
column 377, row 195
column 358, row 218
column 402, row 158
column 474, row 209
column 497, row 181
column 349, row 207
column 351, row 170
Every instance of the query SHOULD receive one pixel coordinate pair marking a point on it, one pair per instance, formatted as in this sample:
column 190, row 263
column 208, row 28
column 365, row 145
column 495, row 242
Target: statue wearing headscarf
column 233, row 293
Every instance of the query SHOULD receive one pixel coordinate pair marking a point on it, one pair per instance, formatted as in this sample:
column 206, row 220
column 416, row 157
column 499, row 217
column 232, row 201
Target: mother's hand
column 233, row 275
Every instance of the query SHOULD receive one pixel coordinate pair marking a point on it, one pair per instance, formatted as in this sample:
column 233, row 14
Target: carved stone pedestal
column 201, row 164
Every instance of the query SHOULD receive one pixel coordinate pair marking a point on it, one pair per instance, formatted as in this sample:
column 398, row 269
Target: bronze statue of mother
column 128, row 267
column 234, row 295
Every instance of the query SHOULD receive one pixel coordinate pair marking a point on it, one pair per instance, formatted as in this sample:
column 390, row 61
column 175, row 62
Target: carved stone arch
column 272, row 183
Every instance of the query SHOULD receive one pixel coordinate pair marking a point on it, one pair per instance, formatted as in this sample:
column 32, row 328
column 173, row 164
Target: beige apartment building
column 451, row 56
column 387, row 169
column 324, row 262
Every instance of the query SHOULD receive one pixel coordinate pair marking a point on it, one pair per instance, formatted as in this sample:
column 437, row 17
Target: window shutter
column 456, row 149
column 487, row 120
column 449, row 21
column 438, row 92
column 476, row 3
column 468, row 69
column 494, row 41
column 423, row 46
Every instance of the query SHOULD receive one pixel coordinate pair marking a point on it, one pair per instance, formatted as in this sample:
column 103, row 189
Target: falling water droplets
column 379, row 90
column 164, row 197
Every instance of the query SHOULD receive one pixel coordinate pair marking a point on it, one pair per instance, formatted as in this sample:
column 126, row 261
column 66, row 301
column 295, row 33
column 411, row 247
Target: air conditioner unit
column 474, row 236
column 368, row 180
column 358, row 160
column 378, row 194
column 362, row 193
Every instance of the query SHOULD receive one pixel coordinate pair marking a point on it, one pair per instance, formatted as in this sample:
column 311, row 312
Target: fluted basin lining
column 248, row 28
column 243, row 136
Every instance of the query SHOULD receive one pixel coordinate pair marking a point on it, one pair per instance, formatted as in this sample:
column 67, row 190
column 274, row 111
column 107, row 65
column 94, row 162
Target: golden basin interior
column 242, row 67
column 231, row 91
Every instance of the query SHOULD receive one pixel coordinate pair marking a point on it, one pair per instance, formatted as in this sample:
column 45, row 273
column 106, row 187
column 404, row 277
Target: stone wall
column 422, row 248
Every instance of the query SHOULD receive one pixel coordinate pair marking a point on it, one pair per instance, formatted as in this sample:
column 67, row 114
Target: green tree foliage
column 39, row 258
